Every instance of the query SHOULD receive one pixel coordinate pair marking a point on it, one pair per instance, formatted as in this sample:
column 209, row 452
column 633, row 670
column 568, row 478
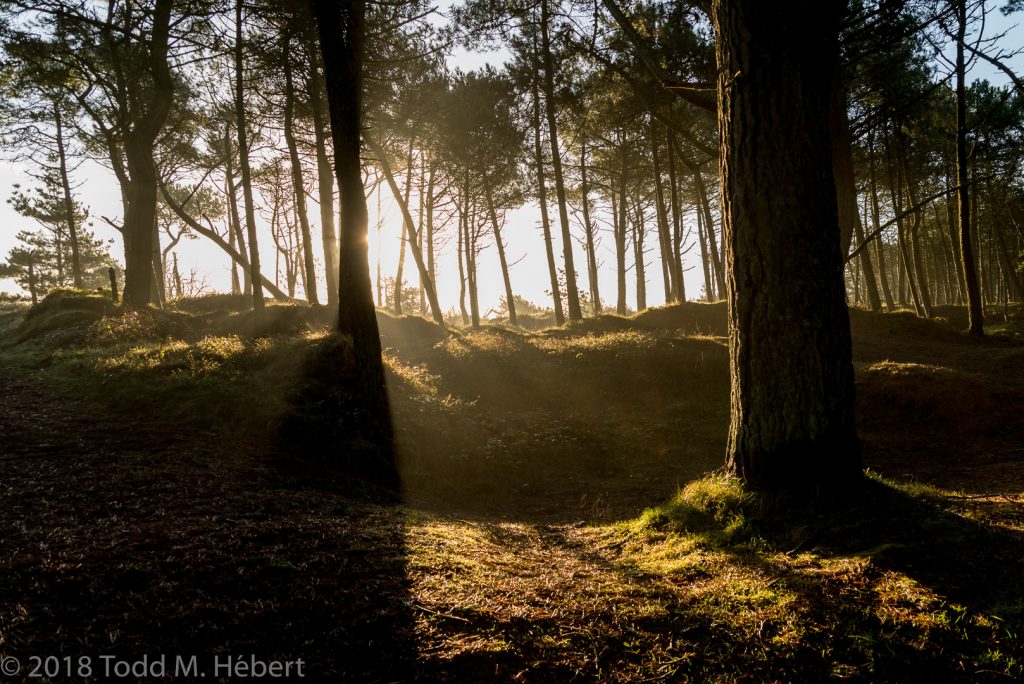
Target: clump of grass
column 134, row 325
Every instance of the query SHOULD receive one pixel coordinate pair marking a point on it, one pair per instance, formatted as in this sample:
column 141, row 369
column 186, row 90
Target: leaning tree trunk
column 509, row 297
column 414, row 242
column 792, row 400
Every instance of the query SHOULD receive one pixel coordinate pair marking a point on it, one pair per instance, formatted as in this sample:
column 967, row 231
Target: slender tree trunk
column 792, row 423
column 975, row 311
column 69, row 204
column 159, row 295
column 638, row 258
column 677, row 217
column 472, row 239
column 664, row 231
column 243, row 162
column 461, row 248
column 417, row 254
column 298, row 187
column 235, row 215
column 421, row 198
column 33, row 291
column 896, row 193
column 709, row 292
column 431, row 276
column 620, row 240
column 325, row 177
column 238, row 256
column 542, row 199
column 407, row 231
column 509, row 297
column 571, row 293
column 709, row 233
column 890, row 305
column 919, row 267
column 588, row 227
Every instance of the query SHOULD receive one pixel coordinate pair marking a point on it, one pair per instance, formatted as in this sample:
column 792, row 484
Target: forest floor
column 561, row 520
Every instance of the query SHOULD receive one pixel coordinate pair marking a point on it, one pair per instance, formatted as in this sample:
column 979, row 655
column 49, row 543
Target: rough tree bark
column 792, row 400
column 140, row 212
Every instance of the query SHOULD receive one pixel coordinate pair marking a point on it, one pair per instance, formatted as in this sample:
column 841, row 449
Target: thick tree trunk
column 243, row 162
column 140, row 213
column 571, row 292
column 792, row 418
column 298, row 187
column 341, row 27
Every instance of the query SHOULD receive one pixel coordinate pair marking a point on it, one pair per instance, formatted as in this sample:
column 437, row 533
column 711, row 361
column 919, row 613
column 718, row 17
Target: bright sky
column 522, row 232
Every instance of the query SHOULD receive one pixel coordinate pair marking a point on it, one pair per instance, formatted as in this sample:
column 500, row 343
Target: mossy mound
column 401, row 331
column 64, row 313
column 212, row 303
column 599, row 325
column 692, row 317
column 275, row 319
column 535, row 322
